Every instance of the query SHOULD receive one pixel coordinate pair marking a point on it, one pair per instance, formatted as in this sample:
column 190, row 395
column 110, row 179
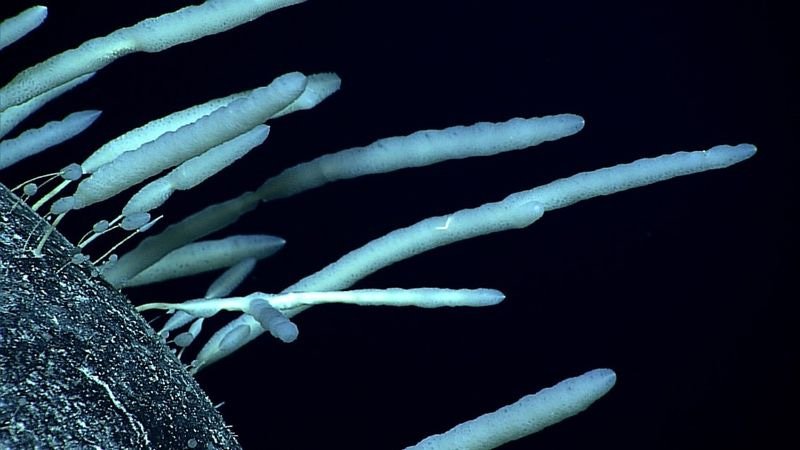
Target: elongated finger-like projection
column 419, row 149
column 210, row 255
column 526, row 416
column 53, row 133
column 515, row 211
column 191, row 140
column 419, row 297
column 150, row 35
column 194, row 171
column 14, row 28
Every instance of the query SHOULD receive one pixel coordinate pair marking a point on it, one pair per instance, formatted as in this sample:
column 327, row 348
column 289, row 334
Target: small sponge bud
column 134, row 221
column 71, row 172
column 30, row 189
column 79, row 258
column 100, row 226
column 62, row 205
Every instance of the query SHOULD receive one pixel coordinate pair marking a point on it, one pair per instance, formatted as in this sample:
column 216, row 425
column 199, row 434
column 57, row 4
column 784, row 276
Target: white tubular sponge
column 420, row 149
column 239, row 332
column 320, row 86
column 186, row 338
column 204, row 307
column 150, row 35
column 419, row 297
column 205, row 256
column 255, row 305
column 566, row 191
column 424, row 235
column 231, row 278
column 173, row 148
column 194, row 22
column 434, row 232
column 221, row 287
column 150, row 131
column 13, row 28
column 194, row 171
column 52, row 133
column 200, row 224
column 16, row 114
column 395, row 246
column 526, row 416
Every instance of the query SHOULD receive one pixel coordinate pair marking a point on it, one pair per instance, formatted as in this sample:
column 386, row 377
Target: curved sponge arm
column 204, row 256
column 526, row 416
column 150, row 35
column 431, row 233
column 419, row 149
column 191, row 140
column 14, row 28
column 194, row 171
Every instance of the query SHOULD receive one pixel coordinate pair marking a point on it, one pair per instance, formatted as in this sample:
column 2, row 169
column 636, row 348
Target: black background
column 686, row 288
